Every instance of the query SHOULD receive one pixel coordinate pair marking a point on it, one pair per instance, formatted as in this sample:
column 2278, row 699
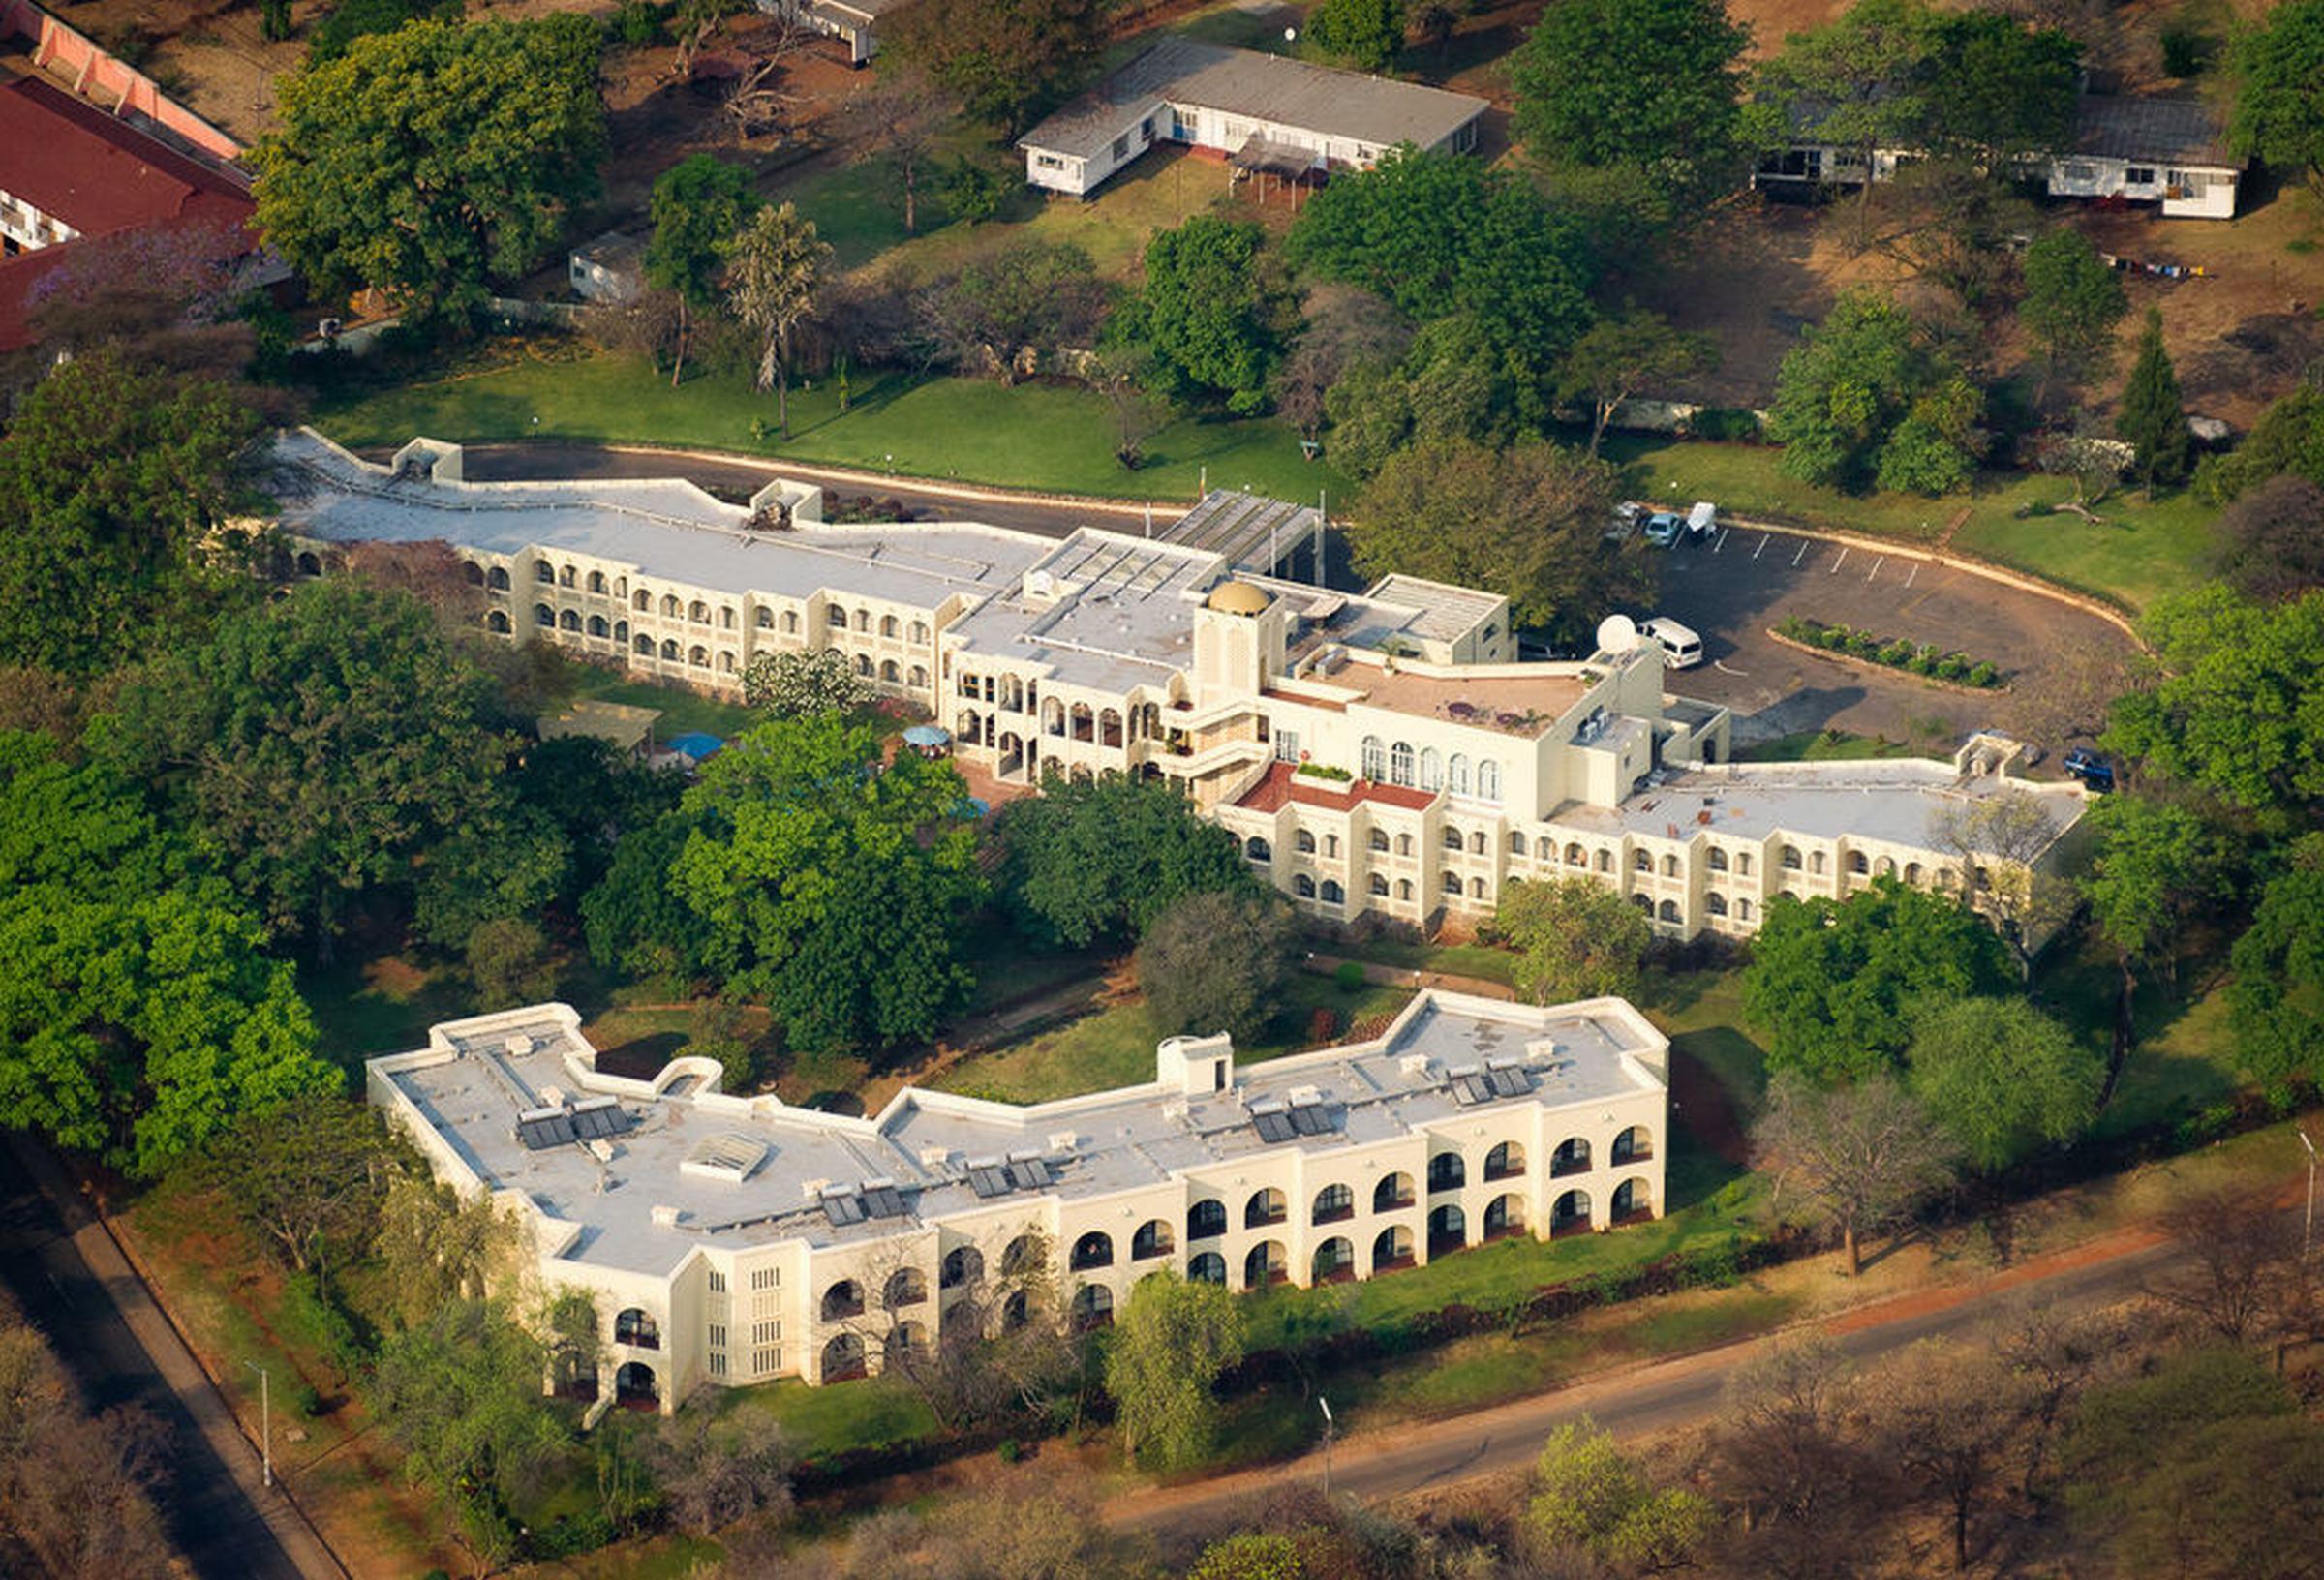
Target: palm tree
column 774, row 271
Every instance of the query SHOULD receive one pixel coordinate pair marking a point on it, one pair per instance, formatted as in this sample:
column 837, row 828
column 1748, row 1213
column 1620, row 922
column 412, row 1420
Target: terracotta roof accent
column 1283, row 785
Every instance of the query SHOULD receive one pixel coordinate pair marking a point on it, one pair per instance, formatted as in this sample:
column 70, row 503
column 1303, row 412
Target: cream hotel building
column 1377, row 755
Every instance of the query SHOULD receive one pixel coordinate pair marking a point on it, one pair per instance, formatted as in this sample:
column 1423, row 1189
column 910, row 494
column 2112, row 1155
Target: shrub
column 1348, row 976
column 1324, row 1024
column 1865, row 645
column 1010, row 1450
column 1984, row 675
column 635, row 22
column 1726, row 424
column 1897, row 652
column 306, row 1402
column 2185, row 51
column 1952, row 667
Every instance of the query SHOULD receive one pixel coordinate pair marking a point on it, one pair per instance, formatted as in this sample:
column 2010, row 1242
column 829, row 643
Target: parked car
column 1681, row 647
column 1663, row 529
column 1703, row 518
column 2092, row 769
column 1626, row 516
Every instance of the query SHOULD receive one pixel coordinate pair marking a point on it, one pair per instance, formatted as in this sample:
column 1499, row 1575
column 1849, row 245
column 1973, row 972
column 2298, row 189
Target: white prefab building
column 2172, row 151
column 729, row 1240
column 1287, row 117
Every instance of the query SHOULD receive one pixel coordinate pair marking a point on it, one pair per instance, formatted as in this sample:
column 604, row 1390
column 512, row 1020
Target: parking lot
column 1738, row 582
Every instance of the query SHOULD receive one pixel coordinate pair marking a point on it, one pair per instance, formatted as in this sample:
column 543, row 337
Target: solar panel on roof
column 1310, row 1119
column 989, row 1180
column 1272, row 1127
column 542, row 1131
column 1469, row 1087
column 844, row 1210
column 1027, row 1174
column 1507, row 1082
column 883, row 1202
column 599, row 1117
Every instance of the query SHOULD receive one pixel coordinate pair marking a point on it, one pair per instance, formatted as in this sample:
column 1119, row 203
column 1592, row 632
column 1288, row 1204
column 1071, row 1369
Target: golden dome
column 1238, row 598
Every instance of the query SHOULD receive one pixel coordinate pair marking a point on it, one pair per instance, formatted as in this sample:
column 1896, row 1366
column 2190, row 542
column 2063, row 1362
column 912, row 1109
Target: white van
column 1701, row 519
column 1681, row 647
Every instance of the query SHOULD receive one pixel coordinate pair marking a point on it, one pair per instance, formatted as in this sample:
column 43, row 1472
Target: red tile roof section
column 1282, row 784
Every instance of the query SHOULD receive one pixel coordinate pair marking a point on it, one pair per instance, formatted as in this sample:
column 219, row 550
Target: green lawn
column 364, row 1008
column 867, row 1413
column 1045, row 436
column 2143, row 551
column 681, row 711
column 1821, row 747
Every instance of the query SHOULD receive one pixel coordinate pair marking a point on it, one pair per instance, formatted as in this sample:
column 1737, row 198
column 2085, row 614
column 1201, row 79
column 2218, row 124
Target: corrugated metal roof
column 1377, row 110
column 2164, row 131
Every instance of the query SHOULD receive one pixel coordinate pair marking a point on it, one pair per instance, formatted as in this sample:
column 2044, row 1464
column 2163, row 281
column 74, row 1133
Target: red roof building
column 73, row 176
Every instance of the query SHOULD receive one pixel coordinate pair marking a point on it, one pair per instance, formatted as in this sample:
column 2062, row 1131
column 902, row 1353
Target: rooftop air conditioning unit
column 1061, row 1140
column 668, row 1217
column 519, row 1046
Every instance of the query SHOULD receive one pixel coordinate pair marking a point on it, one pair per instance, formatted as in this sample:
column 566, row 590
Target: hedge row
column 1923, row 658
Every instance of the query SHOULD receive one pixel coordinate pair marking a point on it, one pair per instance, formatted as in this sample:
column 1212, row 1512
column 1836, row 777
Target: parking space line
column 1876, row 567
column 1721, row 544
column 1802, row 554
column 1915, row 571
column 1765, row 541
column 1837, row 564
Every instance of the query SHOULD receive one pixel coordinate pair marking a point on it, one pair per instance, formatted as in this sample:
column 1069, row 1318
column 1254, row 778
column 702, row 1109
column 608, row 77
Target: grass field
column 1821, row 747
column 2144, row 549
column 1043, row 436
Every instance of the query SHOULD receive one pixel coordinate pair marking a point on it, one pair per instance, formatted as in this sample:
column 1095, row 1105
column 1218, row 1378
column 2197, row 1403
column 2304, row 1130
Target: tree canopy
column 1862, row 1157
column 1573, row 938
column 2003, row 1078
column 834, row 890
column 1652, row 85
column 314, row 748
column 428, row 162
column 1007, row 60
column 1216, row 961
column 1206, row 317
column 2279, row 103
column 111, row 476
column 2268, row 545
column 1362, row 35
column 2158, row 864
column 2278, row 991
column 1867, row 396
column 698, row 205
column 1835, row 982
column 1171, row 1341
column 1094, row 862
column 2073, row 300
column 2288, row 437
column 1528, row 523
column 2152, row 418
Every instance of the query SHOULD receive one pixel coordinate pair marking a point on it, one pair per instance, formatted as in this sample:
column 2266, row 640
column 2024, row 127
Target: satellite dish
column 1617, row 633
column 1290, row 34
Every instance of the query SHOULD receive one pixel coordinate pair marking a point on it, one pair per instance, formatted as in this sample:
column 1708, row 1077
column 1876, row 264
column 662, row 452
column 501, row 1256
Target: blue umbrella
column 927, row 735
column 697, row 744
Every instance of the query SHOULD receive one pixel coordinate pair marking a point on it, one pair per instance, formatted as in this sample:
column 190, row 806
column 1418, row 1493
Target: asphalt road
column 102, row 1323
column 1649, row 1400
column 1742, row 581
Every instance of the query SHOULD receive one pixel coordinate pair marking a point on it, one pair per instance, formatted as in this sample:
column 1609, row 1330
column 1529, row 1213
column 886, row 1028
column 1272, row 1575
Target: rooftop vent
column 1415, row 1064
column 519, row 1045
column 668, row 1217
column 729, row 1156
column 1061, row 1140
column 934, row 1156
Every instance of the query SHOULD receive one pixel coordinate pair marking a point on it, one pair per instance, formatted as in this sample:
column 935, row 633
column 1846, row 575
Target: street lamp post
column 1325, row 1406
column 2307, row 1227
column 265, row 1421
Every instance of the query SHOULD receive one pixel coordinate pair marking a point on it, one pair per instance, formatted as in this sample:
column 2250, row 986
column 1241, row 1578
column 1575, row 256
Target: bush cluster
column 1921, row 658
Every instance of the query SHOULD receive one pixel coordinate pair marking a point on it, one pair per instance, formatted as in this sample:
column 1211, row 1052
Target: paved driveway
column 1742, row 581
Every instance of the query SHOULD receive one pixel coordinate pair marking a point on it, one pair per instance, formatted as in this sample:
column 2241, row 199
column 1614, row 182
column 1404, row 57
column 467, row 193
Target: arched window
column 1379, row 839
column 671, row 608
column 1332, row 1204
column 1399, row 762
column 1094, row 1249
column 564, row 576
column 1912, row 872
column 1303, row 886
column 1791, row 858
column 1450, row 883
column 1641, row 861
column 1743, row 863
column 1717, row 859
column 1715, row 903
column 1477, row 842
column 1258, row 849
column 1668, row 911
column 1015, row 1312
column 1569, row 1213
column 889, row 674
column 1644, row 902
column 1476, row 888
column 1632, row 1200
column 1432, row 770
column 1456, row 774
column 497, row 620
column 1489, row 781
column 543, row 571
column 1576, row 856
column 834, row 616
column 699, row 658
column 863, row 619
column 1152, row 1239
column 643, row 603
column 1331, row 845
column 1304, row 842
column 1379, row 886
column 726, row 616
column 1092, row 1306
column 790, row 622
column 1606, row 861
column 598, row 627
column 621, row 630
column 1859, row 863
column 964, row 1265
column 1404, row 845
column 474, row 572
column 543, row 615
column 596, row 581
column 1506, row 1161
column 1330, row 893
column 1503, row 1216
column 1447, row 1172
column 645, row 646
column 1264, row 1206
column 843, row 1359
column 919, row 631
column 1021, row 1255
column 1391, row 1248
column 1392, row 1192
column 763, row 618
column 917, row 678
column 906, row 1287
column 1634, row 1146
column 1516, row 843
column 637, row 1328
column 1335, row 1260
column 1448, row 1229
column 1404, row 888
column 842, row 1300
column 1264, row 1265
column 568, row 620
column 1207, row 1220
column 1571, row 1156
column 497, row 578
column 1207, row 1268
column 906, row 1341
column 1816, row 863
column 1452, row 839
column 1742, row 910
column 888, row 626
column 1670, row 867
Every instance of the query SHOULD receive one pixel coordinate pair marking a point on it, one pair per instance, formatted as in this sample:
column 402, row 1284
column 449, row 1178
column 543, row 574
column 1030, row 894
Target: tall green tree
column 2278, row 991
column 2073, row 302
column 1835, row 982
column 1208, row 315
column 1861, row 1158
column 2280, row 101
column 1362, row 35
column 1650, row 84
column 1443, row 234
column 1573, row 937
column 2237, row 705
column 1857, row 83
column 2156, row 867
column 309, row 1177
column 2003, row 1077
column 1094, row 862
column 776, row 269
column 835, row 890
column 1619, row 358
column 699, row 207
column 636, row 920
column 1996, row 89
column 1590, row 1496
column 2150, row 418
column 429, row 162
column 1170, row 1342
column 1007, row 60
column 1528, row 523
column 111, row 477
column 1217, row 962
column 1867, row 395
column 2288, row 437
column 315, row 749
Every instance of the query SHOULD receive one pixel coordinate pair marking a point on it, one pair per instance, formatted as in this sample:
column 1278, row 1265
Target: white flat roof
column 1901, row 801
column 477, row 1076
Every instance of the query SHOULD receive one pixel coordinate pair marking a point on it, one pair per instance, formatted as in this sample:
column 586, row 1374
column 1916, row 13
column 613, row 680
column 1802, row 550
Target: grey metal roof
column 1445, row 613
column 663, row 529
column 639, row 1209
column 2161, row 130
column 1377, row 110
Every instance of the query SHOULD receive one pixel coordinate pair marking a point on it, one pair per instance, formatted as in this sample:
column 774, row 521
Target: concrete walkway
column 229, row 1521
